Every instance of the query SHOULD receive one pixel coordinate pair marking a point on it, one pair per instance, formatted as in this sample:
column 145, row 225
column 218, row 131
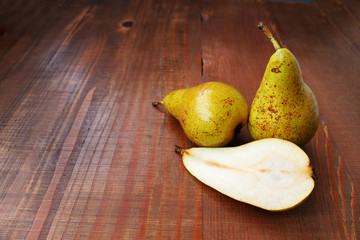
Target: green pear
column 284, row 106
column 273, row 174
column 209, row 113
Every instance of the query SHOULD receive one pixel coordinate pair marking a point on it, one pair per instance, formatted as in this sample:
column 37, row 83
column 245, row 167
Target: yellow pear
column 209, row 113
column 284, row 106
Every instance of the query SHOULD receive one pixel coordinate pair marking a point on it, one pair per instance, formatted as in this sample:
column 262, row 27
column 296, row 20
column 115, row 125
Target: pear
column 284, row 106
column 272, row 174
column 209, row 113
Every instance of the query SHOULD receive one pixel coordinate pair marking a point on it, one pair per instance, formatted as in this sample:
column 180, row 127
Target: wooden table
column 84, row 155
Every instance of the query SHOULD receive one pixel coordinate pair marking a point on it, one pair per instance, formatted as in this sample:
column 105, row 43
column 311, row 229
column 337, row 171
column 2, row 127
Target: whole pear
column 209, row 113
column 284, row 106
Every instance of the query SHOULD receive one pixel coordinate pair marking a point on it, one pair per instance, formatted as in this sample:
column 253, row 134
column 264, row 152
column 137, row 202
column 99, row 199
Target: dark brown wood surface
column 84, row 155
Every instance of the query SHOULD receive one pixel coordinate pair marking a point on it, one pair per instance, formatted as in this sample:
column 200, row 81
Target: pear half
column 272, row 174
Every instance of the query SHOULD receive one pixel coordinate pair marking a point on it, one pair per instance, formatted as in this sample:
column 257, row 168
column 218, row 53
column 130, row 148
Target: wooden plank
column 318, row 45
column 329, row 40
column 53, row 88
column 84, row 155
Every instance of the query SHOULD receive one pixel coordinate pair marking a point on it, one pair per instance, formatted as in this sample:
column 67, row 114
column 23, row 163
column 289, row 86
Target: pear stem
column 179, row 150
column 157, row 103
column 267, row 32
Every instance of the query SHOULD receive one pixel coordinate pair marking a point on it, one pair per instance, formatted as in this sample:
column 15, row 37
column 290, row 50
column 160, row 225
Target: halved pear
column 272, row 174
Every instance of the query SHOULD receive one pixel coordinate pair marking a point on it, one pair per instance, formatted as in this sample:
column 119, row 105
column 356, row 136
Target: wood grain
column 84, row 155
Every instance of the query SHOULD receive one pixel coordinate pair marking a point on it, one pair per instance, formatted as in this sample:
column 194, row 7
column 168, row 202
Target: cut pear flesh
column 272, row 174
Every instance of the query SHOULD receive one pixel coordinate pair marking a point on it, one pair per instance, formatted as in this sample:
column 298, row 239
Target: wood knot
column 124, row 25
column 127, row 24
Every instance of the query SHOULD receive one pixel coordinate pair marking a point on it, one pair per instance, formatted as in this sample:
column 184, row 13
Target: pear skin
column 208, row 113
column 284, row 106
